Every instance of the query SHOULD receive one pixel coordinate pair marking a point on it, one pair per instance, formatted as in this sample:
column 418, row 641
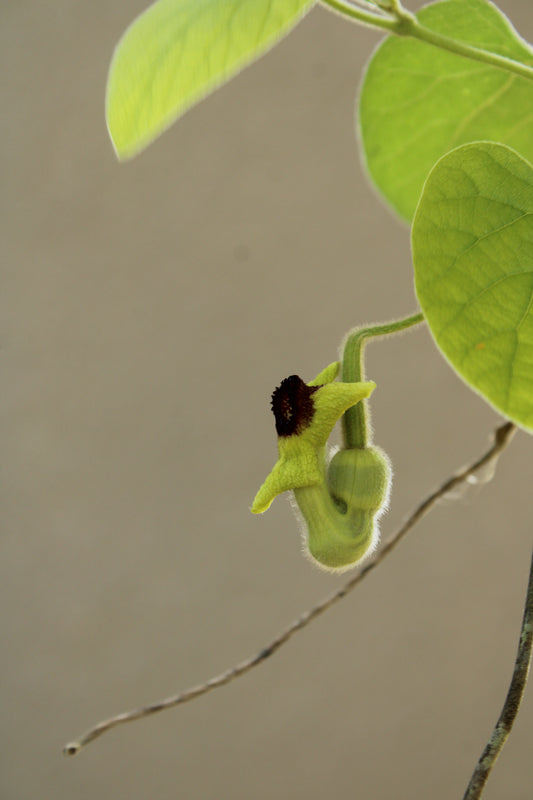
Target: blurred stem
column 401, row 22
column 501, row 439
column 375, row 20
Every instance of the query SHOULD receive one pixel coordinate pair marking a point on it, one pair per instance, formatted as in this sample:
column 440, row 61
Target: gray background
column 149, row 309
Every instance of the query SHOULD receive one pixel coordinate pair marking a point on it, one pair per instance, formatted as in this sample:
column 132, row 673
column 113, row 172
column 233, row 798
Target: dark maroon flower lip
column 292, row 406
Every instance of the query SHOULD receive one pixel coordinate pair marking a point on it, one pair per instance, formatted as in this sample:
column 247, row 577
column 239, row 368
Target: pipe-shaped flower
column 305, row 415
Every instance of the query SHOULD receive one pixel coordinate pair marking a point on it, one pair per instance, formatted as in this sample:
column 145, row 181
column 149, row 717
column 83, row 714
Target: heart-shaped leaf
column 418, row 102
column 473, row 258
column 178, row 51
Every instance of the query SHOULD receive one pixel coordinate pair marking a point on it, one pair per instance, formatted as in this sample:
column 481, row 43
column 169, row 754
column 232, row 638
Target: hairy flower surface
column 305, row 415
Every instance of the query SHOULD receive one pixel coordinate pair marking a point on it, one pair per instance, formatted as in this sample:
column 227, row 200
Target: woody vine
column 444, row 121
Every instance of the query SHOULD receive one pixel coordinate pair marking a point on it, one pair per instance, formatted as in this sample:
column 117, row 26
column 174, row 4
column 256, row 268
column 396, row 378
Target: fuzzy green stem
column 403, row 23
column 355, row 422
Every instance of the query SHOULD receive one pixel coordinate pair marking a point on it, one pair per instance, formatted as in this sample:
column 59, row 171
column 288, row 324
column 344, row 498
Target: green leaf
column 473, row 259
column 418, row 102
column 178, row 51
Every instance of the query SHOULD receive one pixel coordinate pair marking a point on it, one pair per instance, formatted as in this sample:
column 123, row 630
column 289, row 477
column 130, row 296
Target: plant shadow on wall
column 444, row 120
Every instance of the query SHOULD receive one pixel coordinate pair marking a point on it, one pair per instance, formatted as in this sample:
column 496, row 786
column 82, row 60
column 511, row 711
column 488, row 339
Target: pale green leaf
column 473, row 260
column 178, row 51
column 418, row 102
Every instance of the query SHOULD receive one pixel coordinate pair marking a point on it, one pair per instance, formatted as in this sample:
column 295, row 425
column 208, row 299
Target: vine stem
column 370, row 18
column 508, row 714
column 502, row 437
column 401, row 22
column 355, row 422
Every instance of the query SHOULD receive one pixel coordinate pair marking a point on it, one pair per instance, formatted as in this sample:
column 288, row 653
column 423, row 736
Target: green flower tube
column 339, row 503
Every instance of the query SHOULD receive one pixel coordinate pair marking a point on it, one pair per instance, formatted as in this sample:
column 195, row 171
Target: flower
column 305, row 415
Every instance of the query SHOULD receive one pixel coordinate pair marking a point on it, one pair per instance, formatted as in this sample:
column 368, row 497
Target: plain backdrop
column 148, row 310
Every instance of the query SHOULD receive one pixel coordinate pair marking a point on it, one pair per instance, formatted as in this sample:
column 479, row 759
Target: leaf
column 178, row 51
column 418, row 102
column 473, row 258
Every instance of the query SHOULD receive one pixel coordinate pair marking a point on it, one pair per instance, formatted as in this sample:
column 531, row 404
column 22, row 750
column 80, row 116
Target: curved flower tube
column 340, row 502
